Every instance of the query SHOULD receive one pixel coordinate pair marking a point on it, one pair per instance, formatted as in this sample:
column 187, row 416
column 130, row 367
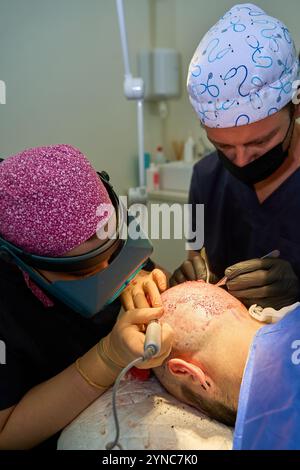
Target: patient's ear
column 179, row 367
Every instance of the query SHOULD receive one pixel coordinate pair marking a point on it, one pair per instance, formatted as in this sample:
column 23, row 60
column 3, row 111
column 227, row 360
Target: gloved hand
column 126, row 340
column 192, row 270
column 269, row 282
column 144, row 290
column 124, row 344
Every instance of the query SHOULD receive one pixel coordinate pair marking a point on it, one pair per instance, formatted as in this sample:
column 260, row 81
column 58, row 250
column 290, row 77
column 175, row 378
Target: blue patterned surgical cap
column 243, row 69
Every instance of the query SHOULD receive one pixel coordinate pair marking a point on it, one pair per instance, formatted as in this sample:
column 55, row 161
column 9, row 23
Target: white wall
column 61, row 61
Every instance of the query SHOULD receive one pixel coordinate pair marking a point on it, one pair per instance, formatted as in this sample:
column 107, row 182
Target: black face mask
column 262, row 167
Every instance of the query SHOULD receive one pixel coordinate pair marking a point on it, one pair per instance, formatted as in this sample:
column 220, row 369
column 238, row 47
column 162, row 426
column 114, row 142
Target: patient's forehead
column 191, row 306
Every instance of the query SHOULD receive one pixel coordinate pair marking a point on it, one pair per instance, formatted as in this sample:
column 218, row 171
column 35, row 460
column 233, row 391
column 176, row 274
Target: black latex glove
column 269, row 282
column 192, row 270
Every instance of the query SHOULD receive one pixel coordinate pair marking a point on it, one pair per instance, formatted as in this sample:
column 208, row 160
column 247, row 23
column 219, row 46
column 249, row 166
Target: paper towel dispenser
column 160, row 70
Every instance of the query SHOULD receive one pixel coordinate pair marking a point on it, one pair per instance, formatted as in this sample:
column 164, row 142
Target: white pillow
column 150, row 418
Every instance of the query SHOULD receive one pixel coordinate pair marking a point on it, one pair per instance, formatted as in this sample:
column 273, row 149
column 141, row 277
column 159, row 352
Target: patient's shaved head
column 202, row 368
column 189, row 309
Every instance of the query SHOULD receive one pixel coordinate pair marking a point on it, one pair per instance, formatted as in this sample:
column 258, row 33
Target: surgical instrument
column 272, row 254
column 152, row 347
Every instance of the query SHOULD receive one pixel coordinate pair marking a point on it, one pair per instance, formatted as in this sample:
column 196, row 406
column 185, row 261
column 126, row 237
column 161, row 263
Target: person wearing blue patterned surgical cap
column 242, row 83
column 243, row 69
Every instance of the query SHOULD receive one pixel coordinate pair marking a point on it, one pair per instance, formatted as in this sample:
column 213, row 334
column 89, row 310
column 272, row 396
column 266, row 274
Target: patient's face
column 212, row 335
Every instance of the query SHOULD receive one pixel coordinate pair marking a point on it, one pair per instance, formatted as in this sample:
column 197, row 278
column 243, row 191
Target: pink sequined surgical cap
column 51, row 200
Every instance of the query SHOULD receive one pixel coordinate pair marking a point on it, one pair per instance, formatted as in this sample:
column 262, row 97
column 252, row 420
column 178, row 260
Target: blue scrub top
column 269, row 403
column 237, row 227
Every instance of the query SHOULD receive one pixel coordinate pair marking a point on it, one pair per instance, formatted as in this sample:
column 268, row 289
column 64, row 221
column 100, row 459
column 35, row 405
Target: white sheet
column 150, row 418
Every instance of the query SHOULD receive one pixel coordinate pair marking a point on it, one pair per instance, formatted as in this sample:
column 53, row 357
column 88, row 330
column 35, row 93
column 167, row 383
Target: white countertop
column 169, row 196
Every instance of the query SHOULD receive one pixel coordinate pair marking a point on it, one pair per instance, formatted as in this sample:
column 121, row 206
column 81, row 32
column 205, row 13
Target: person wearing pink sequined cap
column 66, row 341
column 52, row 200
